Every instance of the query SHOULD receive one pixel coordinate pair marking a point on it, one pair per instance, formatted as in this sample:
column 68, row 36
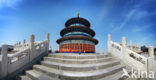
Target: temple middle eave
column 77, row 28
column 77, row 38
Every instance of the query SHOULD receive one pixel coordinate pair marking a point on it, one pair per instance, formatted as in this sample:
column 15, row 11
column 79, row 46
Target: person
column 84, row 52
column 79, row 52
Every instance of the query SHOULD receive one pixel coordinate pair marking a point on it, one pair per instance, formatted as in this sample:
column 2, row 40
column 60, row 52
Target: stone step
column 80, row 67
column 73, row 54
column 25, row 78
column 136, row 79
column 78, row 61
column 77, row 56
column 74, row 75
column 115, row 76
column 35, row 75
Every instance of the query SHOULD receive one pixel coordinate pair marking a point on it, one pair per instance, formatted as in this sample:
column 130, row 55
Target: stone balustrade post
column 24, row 41
column 109, row 44
column 32, row 47
column 47, row 42
column 150, row 61
column 130, row 44
column 124, row 48
column 135, row 46
column 4, row 62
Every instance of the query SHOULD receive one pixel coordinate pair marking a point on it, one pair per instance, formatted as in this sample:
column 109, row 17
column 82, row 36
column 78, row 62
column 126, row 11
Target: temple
column 122, row 61
column 77, row 37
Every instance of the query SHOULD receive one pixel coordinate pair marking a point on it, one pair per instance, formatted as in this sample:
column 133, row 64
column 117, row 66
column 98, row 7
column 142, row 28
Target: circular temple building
column 77, row 37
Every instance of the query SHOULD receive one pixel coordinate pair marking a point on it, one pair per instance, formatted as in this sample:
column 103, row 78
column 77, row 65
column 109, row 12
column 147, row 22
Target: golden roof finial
column 77, row 14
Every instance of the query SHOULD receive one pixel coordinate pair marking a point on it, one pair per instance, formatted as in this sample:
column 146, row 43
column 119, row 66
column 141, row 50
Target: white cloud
column 9, row 3
column 146, row 40
column 140, row 28
column 106, row 8
column 128, row 17
column 140, row 14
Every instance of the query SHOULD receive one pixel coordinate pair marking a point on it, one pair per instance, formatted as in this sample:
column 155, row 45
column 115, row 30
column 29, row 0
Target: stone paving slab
column 34, row 75
column 48, row 70
column 78, row 61
column 80, row 65
column 25, row 78
column 76, row 56
column 115, row 76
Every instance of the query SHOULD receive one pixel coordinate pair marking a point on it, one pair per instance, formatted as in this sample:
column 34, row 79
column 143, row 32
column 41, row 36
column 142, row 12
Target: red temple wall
column 77, row 48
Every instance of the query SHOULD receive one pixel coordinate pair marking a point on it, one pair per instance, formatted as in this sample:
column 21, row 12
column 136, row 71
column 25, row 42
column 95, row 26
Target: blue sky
column 134, row 19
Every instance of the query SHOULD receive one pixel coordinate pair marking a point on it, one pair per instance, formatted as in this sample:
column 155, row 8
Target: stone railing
column 136, row 60
column 130, row 57
column 135, row 47
column 9, row 63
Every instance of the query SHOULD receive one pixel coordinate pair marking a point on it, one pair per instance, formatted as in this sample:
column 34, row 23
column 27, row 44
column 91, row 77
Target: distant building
column 144, row 48
column 77, row 37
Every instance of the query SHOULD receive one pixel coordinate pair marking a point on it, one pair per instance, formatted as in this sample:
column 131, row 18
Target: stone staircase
column 76, row 67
